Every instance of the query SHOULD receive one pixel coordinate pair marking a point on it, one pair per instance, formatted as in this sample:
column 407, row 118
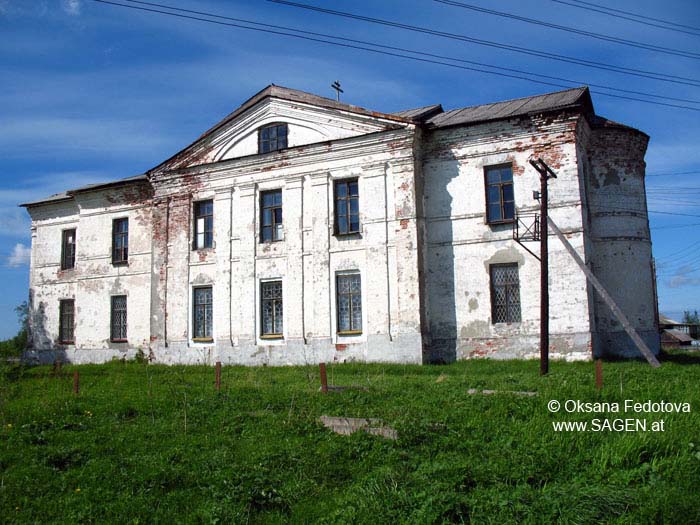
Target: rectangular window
column 348, row 299
column 271, row 228
column 203, row 224
column 347, row 207
column 120, row 241
column 271, row 309
column 500, row 202
column 66, row 321
column 118, row 318
column 68, row 249
column 505, row 293
column 272, row 138
column 203, row 314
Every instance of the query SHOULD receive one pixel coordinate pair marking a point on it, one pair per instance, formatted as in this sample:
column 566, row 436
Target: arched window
column 272, row 137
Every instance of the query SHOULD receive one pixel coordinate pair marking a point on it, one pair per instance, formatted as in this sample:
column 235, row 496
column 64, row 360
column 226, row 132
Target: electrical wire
column 695, row 31
column 591, row 34
column 284, row 32
column 517, row 49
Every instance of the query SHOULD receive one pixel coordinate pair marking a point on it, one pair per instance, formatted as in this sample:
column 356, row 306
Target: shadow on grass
column 680, row 357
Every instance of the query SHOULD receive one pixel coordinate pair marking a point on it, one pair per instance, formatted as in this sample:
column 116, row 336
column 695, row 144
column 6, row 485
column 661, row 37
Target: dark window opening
column 203, row 314
column 272, row 138
column 349, row 303
column 500, row 201
column 68, row 250
column 120, row 241
column 66, row 321
column 347, row 207
column 118, row 318
column 203, row 224
column 271, row 325
column 505, row 293
column 271, row 228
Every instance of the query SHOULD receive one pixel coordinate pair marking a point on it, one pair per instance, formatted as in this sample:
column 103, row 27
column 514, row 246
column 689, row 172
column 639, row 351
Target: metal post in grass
column 599, row 374
column 57, row 368
column 324, row 379
column 218, row 376
column 76, row 383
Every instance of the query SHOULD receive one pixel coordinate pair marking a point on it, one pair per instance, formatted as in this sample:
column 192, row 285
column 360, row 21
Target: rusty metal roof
column 576, row 97
column 67, row 195
column 420, row 114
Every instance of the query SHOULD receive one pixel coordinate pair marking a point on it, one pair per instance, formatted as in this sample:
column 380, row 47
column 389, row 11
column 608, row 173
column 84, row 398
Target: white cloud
column 682, row 278
column 20, row 256
column 72, row 7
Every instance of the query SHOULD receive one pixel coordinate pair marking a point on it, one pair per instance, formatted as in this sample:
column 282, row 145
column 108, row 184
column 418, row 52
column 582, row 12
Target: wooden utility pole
column 545, row 174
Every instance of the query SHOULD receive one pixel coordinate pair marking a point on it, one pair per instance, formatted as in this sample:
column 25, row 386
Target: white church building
column 300, row 229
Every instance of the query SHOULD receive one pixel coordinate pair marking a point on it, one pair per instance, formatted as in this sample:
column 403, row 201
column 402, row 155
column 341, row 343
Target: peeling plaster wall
column 620, row 238
column 94, row 279
column 385, row 253
column 461, row 245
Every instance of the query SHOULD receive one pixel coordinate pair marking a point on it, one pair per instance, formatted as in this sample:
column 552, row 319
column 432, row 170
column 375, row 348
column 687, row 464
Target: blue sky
column 93, row 92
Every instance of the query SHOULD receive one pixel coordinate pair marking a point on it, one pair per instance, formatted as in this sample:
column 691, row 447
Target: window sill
column 66, row 342
column 499, row 223
column 350, row 332
column 272, row 241
column 349, row 235
column 120, row 263
column 272, row 337
column 202, row 339
column 119, row 341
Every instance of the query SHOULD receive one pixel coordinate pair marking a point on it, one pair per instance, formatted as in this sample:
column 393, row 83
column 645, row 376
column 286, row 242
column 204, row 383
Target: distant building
column 675, row 334
column 300, row 229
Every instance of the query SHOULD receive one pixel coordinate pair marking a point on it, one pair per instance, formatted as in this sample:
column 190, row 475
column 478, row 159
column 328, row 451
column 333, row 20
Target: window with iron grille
column 203, row 225
column 120, row 241
column 505, row 293
column 68, row 249
column 118, row 318
column 203, row 314
column 500, row 202
column 271, row 228
column 272, row 138
column 347, row 207
column 66, row 321
column 348, row 298
column 271, row 325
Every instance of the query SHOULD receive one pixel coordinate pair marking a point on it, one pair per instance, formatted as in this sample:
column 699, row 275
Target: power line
column 611, row 12
column 670, row 174
column 675, row 226
column 280, row 30
column 591, row 34
column 664, row 77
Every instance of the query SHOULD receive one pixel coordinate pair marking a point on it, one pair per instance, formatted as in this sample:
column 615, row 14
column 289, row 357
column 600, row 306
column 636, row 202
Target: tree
column 15, row 346
column 689, row 318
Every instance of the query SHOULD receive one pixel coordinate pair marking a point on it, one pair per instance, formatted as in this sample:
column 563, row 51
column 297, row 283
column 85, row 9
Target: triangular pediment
column 310, row 119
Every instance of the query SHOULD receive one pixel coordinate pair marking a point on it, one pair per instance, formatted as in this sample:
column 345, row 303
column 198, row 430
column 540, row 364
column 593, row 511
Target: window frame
column 65, row 255
column 501, row 199
column 196, row 215
column 276, row 126
column 62, row 314
column 347, row 199
column 275, row 236
column 123, row 252
column 112, row 326
column 207, row 338
column 353, row 330
column 274, row 334
column 508, row 287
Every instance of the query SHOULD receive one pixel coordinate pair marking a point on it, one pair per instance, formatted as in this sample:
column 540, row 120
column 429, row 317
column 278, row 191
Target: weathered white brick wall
column 461, row 245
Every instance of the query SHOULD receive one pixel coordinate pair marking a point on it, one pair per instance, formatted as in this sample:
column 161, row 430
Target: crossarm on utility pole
column 646, row 352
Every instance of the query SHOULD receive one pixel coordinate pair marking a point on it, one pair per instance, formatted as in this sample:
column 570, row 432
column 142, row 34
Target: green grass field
column 154, row 444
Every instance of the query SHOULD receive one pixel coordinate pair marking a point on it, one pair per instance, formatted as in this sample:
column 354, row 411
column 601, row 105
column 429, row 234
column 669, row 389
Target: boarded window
column 347, row 207
column 203, row 313
column 120, row 241
column 272, row 138
column 271, row 309
column 349, row 303
column 505, row 293
column 203, row 224
column 271, row 228
column 118, row 318
column 68, row 249
column 500, row 201
column 66, row 321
